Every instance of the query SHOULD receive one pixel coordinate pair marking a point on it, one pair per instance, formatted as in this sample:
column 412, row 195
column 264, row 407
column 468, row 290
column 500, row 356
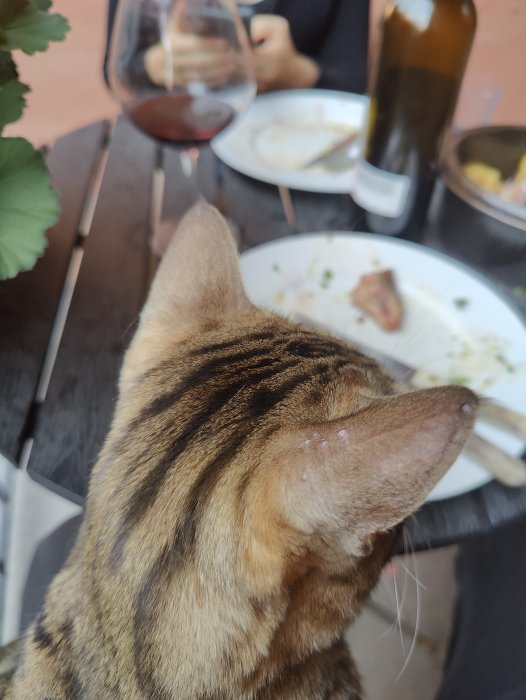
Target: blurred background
column 68, row 90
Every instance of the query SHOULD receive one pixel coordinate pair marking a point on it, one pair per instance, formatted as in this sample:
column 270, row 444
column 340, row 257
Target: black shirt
column 332, row 32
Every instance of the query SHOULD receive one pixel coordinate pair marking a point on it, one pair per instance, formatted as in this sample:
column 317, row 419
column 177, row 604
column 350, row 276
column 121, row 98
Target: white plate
column 282, row 131
column 455, row 327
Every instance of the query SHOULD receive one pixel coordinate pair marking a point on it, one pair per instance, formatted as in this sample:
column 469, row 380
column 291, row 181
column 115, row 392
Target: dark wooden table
column 65, row 325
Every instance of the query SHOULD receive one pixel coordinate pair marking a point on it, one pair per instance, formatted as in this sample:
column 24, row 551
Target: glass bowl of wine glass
column 181, row 69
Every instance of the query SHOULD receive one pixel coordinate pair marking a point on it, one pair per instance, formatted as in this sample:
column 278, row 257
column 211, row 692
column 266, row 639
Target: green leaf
column 28, row 206
column 12, row 91
column 43, row 5
column 26, row 27
column 8, row 69
column 10, row 10
column 12, row 102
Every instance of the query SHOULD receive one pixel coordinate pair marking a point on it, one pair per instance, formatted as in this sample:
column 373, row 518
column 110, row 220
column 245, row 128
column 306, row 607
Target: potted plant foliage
column 29, row 204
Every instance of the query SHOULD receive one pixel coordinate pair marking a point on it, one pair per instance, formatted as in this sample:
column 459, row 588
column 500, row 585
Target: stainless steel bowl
column 477, row 225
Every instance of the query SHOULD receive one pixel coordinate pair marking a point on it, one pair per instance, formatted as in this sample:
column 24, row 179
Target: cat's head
column 249, row 448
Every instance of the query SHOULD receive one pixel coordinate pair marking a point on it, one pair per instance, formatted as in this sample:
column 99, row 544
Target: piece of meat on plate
column 378, row 297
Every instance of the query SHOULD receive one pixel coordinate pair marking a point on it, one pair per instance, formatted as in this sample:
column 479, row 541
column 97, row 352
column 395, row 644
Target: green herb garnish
column 461, row 381
column 506, row 364
column 326, row 279
column 461, row 303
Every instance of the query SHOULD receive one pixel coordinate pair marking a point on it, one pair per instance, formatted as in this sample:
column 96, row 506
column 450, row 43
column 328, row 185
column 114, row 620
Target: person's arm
column 312, row 44
column 278, row 63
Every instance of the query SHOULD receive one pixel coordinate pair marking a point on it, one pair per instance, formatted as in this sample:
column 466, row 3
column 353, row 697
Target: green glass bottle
column 424, row 47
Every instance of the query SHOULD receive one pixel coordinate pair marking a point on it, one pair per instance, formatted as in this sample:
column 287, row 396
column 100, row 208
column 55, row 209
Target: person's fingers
column 204, row 65
column 182, row 42
column 155, row 64
column 268, row 28
column 192, row 59
column 209, row 75
column 215, row 78
column 209, row 72
column 203, row 59
column 177, row 23
column 273, row 51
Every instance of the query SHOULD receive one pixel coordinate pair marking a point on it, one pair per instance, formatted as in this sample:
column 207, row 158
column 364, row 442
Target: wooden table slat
column 109, row 294
column 29, row 301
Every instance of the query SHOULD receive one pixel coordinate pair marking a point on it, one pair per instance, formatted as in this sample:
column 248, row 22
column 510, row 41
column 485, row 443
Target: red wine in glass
column 182, row 120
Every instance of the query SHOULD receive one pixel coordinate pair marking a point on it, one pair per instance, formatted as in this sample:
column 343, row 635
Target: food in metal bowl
column 512, row 189
column 481, row 216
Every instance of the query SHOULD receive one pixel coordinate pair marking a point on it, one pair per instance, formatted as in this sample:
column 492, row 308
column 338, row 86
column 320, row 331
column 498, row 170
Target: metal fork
column 340, row 157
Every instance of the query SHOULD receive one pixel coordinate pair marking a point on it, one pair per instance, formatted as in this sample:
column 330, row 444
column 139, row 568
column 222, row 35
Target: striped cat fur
column 243, row 505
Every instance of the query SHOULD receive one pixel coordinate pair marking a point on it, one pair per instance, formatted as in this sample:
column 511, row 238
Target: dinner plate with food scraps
column 283, row 132
column 454, row 325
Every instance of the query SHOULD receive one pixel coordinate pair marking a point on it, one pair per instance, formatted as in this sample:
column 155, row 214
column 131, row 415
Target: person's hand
column 277, row 62
column 185, row 57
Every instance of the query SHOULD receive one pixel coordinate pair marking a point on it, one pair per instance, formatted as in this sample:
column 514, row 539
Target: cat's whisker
column 240, row 391
column 417, row 620
column 426, row 643
column 409, row 573
column 130, row 327
column 409, row 547
column 409, row 550
column 384, row 614
column 386, row 631
column 398, row 620
column 402, row 596
column 398, row 615
column 399, row 603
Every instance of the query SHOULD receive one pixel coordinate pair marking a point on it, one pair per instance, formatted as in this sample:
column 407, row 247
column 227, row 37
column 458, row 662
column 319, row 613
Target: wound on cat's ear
column 372, row 469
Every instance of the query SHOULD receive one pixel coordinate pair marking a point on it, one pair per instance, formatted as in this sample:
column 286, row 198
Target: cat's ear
column 198, row 280
column 367, row 472
column 198, row 284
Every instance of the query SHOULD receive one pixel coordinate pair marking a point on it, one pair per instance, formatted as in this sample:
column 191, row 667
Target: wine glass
column 182, row 71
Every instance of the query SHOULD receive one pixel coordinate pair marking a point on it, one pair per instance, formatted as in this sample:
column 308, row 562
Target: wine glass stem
column 189, row 159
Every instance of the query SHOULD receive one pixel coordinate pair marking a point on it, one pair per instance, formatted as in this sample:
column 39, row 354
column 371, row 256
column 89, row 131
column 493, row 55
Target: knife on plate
column 506, row 468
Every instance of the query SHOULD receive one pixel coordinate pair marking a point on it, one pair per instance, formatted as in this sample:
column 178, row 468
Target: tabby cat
column 243, row 505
